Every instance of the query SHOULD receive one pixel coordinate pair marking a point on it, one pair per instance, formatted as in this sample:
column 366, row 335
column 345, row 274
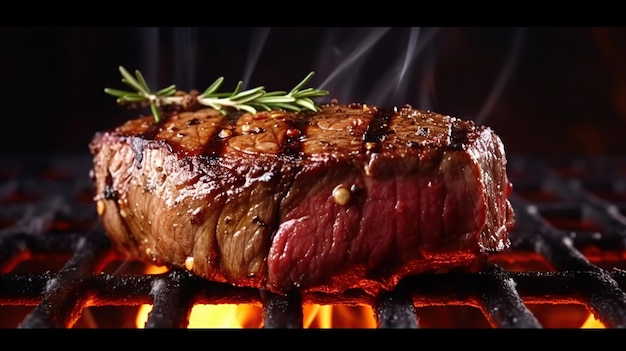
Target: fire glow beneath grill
column 229, row 316
column 235, row 316
column 210, row 316
column 250, row 316
column 592, row 323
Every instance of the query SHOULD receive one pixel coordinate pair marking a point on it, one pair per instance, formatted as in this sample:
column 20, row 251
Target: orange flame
column 250, row 316
column 592, row 322
column 338, row 316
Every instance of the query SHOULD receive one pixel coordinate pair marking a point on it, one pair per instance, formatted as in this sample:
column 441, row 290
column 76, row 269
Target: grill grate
column 570, row 224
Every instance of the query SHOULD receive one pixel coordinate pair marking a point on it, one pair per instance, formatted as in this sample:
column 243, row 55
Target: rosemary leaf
column 129, row 80
column 247, row 108
column 117, row 92
column 275, row 99
column 213, row 87
column 238, row 88
column 288, row 107
column 302, row 83
column 258, row 92
column 275, row 93
column 133, row 98
column 169, row 91
column 310, row 92
column 261, row 106
column 244, row 100
column 307, row 103
column 155, row 112
column 142, row 81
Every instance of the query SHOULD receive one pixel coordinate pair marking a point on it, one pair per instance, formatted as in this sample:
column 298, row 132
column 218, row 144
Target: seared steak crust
column 352, row 196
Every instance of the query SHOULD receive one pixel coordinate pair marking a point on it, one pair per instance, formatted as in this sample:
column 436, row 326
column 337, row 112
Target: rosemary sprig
column 250, row 100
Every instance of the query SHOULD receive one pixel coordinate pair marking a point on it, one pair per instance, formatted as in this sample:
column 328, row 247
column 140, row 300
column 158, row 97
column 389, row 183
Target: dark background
column 564, row 91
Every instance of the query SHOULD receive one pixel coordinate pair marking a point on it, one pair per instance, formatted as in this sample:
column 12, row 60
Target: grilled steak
column 353, row 196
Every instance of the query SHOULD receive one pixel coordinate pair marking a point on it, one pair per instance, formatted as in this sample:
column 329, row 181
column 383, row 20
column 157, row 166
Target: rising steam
column 259, row 36
column 350, row 63
column 504, row 76
column 185, row 47
column 355, row 64
column 393, row 86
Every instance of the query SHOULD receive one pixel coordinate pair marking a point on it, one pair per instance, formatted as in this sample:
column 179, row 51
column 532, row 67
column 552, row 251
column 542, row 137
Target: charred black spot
column 295, row 136
column 356, row 189
column 258, row 221
column 193, row 121
column 377, row 130
column 110, row 193
column 459, row 137
column 413, row 144
column 197, row 218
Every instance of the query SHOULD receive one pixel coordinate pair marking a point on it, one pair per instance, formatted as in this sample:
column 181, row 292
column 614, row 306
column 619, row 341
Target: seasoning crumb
column 100, row 207
column 277, row 114
column 189, row 263
column 341, row 194
column 423, row 131
column 293, row 132
column 225, row 133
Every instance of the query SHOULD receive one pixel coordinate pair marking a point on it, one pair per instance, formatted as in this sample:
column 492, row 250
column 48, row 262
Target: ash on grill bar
column 566, row 262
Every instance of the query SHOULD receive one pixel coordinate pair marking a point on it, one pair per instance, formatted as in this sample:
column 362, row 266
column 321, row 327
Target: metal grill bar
column 67, row 292
column 553, row 244
column 395, row 309
column 282, row 311
column 172, row 298
column 601, row 290
column 425, row 290
column 595, row 209
column 558, row 247
column 502, row 305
